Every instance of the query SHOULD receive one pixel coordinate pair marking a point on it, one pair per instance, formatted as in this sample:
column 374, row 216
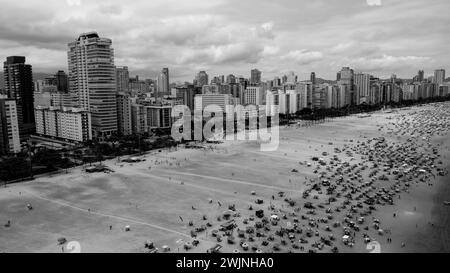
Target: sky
column 380, row 37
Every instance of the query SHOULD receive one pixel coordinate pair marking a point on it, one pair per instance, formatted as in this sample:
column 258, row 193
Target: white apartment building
column 9, row 127
column 284, row 102
column 69, row 124
column 272, row 99
column 329, row 96
column 295, row 101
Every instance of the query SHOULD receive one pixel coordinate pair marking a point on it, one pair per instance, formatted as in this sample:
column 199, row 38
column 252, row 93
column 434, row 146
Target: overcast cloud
column 233, row 36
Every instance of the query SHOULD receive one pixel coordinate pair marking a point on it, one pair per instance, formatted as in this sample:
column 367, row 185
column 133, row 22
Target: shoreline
column 432, row 231
column 440, row 210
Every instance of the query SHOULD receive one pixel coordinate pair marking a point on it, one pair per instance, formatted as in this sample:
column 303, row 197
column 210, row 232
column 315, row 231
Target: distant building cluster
column 96, row 99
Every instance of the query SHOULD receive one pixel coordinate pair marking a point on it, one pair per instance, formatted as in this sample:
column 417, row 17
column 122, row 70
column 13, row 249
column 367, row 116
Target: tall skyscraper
column 346, row 77
column 313, row 78
column 439, row 76
column 421, row 76
column 255, row 76
column 163, row 82
column 19, row 87
column 122, row 79
column 362, row 87
column 202, row 79
column 92, row 81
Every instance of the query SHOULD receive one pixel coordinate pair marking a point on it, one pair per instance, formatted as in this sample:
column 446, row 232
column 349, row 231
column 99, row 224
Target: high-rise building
column 138, row 120
column 218, row 80
column 235, row 91
column 420, row 76
column 122, row 79
column 319, row 97
column 290, row 78
column 255, row 76
column 313, row 78
column 439, row 76
column 187, row 94
column 231, row 79
column 346, row 77
column 374, row 94
column 276, row 82
column 254, row 95
column 272, row 99
column 44, row 86
column 306, row 90
column 329, row 96
column 163, row 83
column 159, row 116
column 362, row 87
column 92, row 81
column 9, row 127
column 139, row 86
column 51, row 92
column 124, row 123
column 444, row 90
column 19, row 86
column 295, row 101
column 284, row 102
column 62, row 81
column 202, row 79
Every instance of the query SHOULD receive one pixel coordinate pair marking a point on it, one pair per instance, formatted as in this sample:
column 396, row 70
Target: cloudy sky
column 380, row 37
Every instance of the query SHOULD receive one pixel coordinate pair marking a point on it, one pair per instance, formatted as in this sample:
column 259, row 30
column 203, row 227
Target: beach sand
column 158, row 197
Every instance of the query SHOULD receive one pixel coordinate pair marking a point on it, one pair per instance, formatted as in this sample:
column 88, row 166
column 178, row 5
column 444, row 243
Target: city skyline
column 198, row 36
column 225, row 126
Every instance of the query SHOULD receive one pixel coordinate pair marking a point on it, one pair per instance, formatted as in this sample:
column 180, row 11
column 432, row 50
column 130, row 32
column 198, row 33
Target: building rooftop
column 15, row 60
column 88, row 35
